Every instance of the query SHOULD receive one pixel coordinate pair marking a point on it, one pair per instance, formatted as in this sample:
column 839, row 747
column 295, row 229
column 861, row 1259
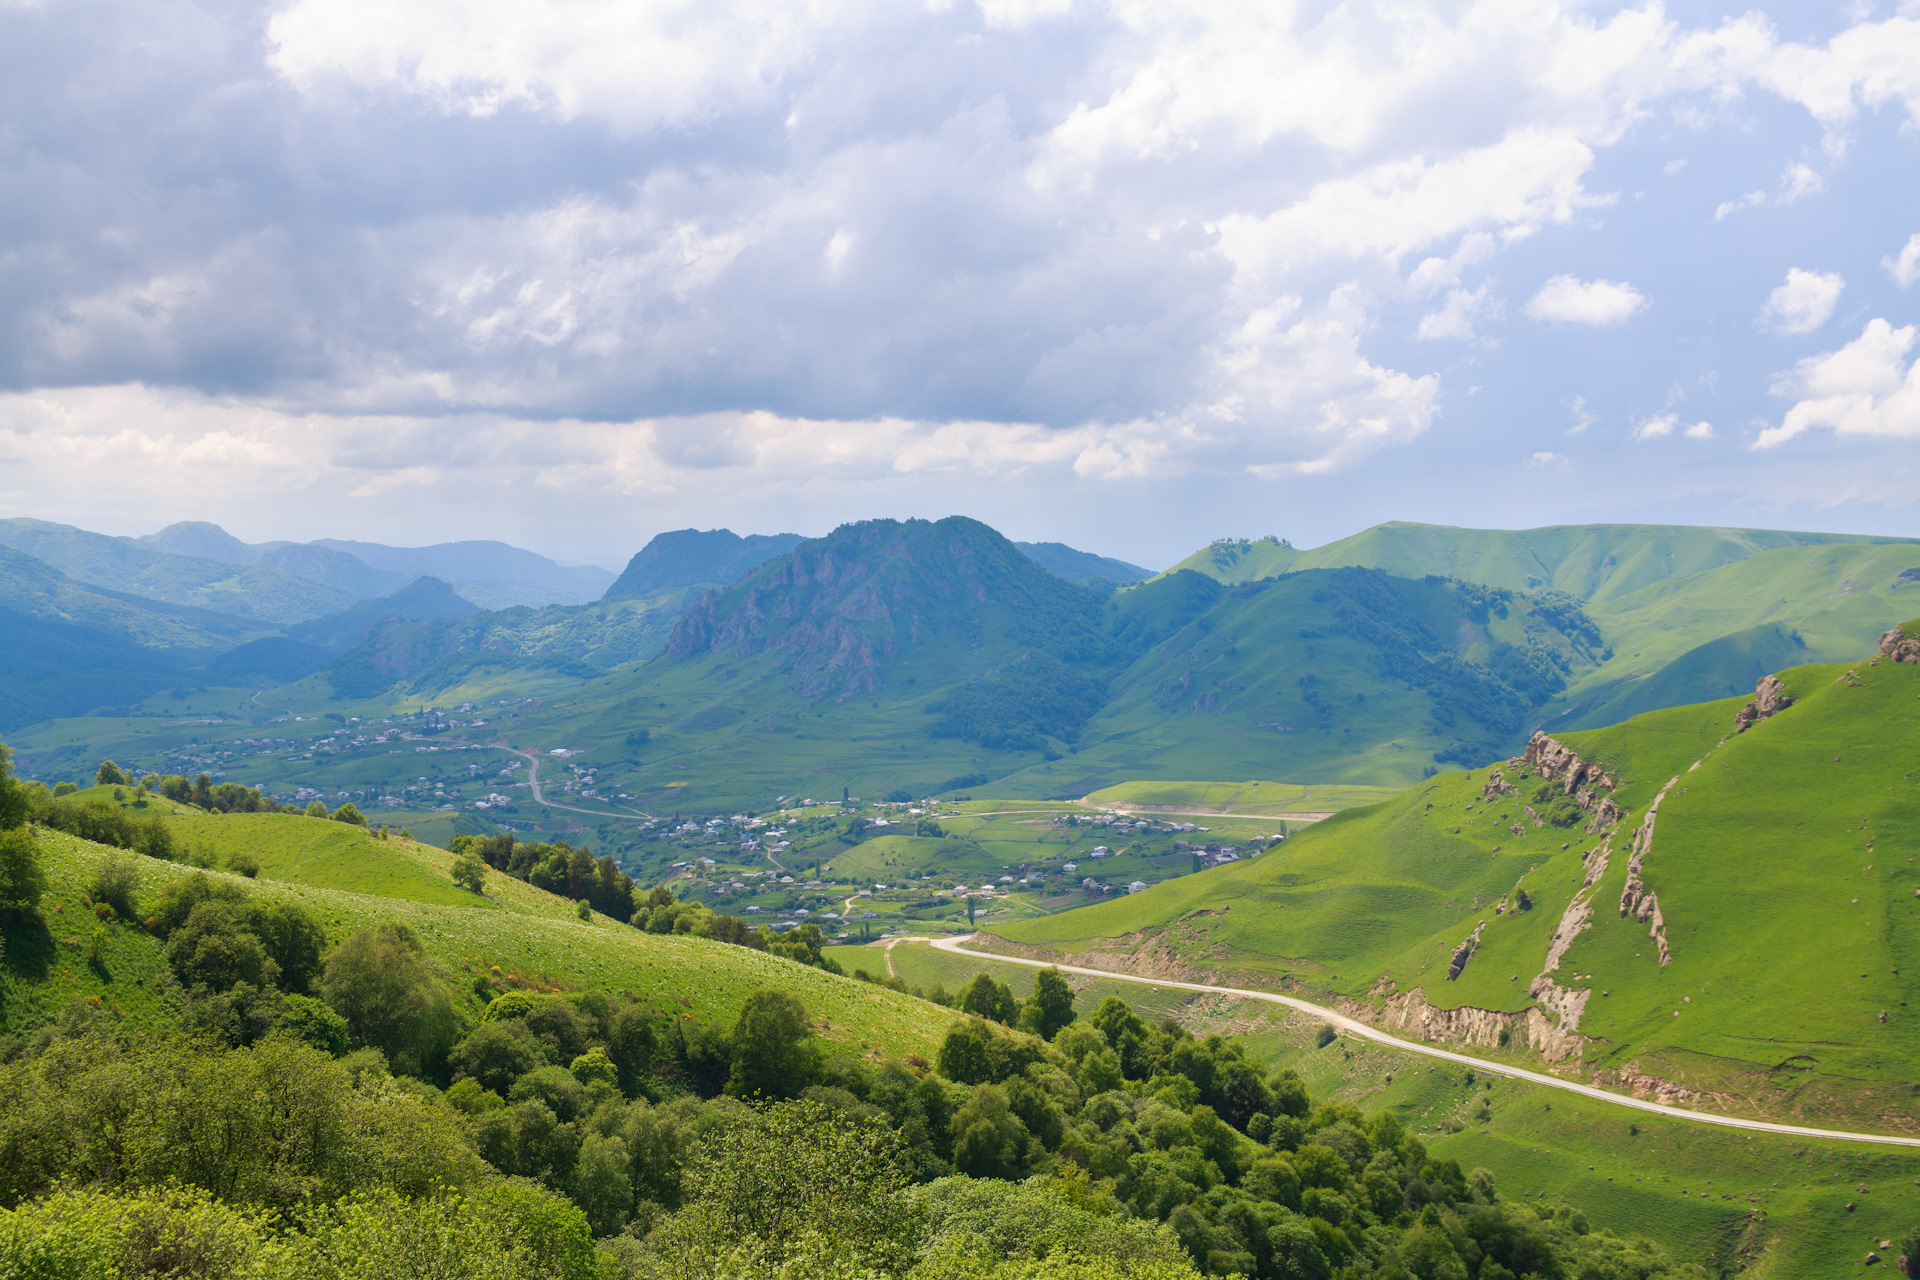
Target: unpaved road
column 1354, row 1027
column 533, row 785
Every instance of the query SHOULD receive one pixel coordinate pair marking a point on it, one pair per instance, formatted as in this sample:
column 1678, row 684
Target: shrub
column 316, row 809
column 240, row 862
column 110, row 774
column 313, row 1022
column 350, row 814
column 117, row 883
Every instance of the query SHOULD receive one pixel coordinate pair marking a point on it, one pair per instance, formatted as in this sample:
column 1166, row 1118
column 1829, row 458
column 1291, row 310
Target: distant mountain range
column 925, row 652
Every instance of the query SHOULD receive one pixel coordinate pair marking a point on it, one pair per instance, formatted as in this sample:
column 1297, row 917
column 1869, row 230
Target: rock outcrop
column 1589, row 785
column 1901, row 646
column 1464, row 952
column 1412, row 1015
column 1636, row 900
column 1769, row 700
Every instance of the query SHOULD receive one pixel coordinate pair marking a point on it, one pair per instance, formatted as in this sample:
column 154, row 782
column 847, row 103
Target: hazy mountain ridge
column 252, row 591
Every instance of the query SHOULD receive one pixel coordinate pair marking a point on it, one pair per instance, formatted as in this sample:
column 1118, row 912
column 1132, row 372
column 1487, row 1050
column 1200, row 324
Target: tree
column 380, row 982
column 316, row 809
column 14, row 804
column 109, row 774
column 773, row 1050
column 985, row 998
column 470, row 873
column 348, row 813
column 211, row 948
column 496, row 1055
column 1050, row 1007
column 21, row 879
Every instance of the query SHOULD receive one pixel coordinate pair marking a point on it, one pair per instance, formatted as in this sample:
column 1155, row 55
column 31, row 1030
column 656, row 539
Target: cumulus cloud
column 1866, row 388
column 1090, row 239
column 1727, row 208
column 1566, row 300
column 1904, row 267
column 1799, row 181
column 1455, row 319
column 1804, row 303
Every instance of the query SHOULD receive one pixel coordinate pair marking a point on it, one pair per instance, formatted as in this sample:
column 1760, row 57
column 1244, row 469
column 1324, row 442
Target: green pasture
column 546, row 948
column 1241, row 797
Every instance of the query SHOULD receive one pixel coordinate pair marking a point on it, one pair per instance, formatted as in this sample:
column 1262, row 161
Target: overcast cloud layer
column 1125, row 275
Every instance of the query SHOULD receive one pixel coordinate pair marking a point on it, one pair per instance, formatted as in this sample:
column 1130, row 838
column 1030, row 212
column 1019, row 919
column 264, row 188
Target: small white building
column 1136, row 886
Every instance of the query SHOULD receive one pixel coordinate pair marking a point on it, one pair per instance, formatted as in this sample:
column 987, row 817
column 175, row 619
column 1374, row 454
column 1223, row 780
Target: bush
column 470, row 873
column 313, row 1023
column 240, row 862
column 348, row 813
column 110, row 774
column 316, row 809
column 117, row 883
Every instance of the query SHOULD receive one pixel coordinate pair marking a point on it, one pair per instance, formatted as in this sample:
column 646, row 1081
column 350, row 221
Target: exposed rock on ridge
column 1770, row 699
column 1464, row 952
column 1636, row 900
column 1901, row 645
column 1589, row 785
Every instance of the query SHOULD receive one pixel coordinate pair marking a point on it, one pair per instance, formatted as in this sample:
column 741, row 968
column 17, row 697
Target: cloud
column 1866, row 388
column 1727, row 208
column 1565, row 300
column 1092, row 240
column 1905, row 268
column 1804, row 303
column 1582, row 418
column 1799, row 181
column 1666, row 424
column 1545, row 460
column 1455, row 319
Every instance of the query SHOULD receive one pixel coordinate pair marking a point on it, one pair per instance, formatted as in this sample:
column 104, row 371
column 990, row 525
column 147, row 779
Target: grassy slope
column 1758, row 858
column 1691, row 1187
column 1268, row 683
column 1833, row 600
column 530, row 935
column 1593, row 562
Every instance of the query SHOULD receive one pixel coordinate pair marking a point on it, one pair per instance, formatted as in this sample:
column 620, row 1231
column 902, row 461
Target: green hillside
column 72, row 648
column 1346, row 675
column 534, row 939
column 1596, row 562
column 1712, row 634
column 252, row 591
column 1783, row 868
column 1239, row 797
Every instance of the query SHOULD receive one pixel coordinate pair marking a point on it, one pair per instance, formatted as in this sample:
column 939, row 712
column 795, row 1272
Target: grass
column 1771, row 1207
column 533, row 939
column 1786, row 877
column 1240, row 797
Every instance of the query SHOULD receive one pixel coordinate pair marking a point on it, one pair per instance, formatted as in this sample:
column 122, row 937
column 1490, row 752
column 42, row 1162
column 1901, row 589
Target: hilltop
column 1591, row 562
column 1677, row 905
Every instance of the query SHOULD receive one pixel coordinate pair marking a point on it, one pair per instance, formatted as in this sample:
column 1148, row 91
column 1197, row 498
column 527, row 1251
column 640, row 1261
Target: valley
column 1572, row 898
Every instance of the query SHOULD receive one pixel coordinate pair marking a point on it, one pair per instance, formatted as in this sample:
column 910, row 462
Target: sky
column 1126, row 275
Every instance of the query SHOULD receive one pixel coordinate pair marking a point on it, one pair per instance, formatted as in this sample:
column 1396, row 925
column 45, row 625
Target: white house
column 1136, row 886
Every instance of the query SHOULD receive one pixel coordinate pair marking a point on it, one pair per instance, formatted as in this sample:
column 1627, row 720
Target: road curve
column 533, row 785
column 1355, row 1027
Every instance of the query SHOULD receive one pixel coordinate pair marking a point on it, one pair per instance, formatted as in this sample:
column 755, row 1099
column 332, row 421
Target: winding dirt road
column 1355, row 1027
column 533, row 785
